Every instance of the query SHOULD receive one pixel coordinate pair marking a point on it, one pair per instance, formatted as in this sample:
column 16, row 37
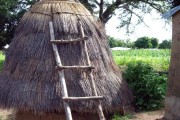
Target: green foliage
column 113, row 42
column 143, row 42
column 129, row 44
column 166, row 44
column 146, row 42
column 148, row 86
column 126, row 117
column 10, row 13
column 154, row 42
column 2, row 58
column 12, row 10
column 159, row 59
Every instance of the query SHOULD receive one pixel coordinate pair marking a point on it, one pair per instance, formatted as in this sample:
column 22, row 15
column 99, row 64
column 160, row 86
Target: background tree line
column 142, row 42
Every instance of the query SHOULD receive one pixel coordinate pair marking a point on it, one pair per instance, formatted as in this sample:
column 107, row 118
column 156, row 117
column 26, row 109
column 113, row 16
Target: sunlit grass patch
column 159, row 59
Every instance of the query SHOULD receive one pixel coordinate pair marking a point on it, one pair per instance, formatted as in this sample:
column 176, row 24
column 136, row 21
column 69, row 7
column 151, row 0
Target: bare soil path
column 8, row 115
column 153, row 115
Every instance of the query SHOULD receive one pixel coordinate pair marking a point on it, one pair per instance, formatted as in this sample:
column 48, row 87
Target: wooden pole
column 100, row 110
column 83, row 98
column 68, row 41
column 60, row 73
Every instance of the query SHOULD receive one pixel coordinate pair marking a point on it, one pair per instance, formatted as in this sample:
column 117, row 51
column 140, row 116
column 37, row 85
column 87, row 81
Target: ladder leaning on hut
column 60, row 68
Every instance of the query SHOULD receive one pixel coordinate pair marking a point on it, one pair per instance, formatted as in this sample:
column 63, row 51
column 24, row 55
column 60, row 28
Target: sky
column 158, row 28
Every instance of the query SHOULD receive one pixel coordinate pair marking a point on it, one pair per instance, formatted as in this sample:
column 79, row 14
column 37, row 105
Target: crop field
column 159, row 59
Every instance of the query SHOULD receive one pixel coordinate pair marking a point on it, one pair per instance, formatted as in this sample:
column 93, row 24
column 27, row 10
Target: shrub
column 148, row 86
column 113, row 42
column 166, row 44
column 119, row 117
column 154, row 42
column 143, row 42
column 1, row 64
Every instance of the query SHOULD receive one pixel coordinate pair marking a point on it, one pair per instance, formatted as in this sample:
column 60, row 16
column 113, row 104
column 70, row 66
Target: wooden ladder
column 61, row 68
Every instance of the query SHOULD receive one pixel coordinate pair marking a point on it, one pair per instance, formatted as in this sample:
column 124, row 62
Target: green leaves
column 10, row 13
column 166, row 44
column 148, row 86
column 119, row 117
column 143, row 42
column 113, row 42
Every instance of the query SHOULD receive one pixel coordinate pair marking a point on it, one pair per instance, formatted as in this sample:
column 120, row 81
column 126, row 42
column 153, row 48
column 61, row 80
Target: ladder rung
column 83, row 98
column 73, row 67
column 69, row 41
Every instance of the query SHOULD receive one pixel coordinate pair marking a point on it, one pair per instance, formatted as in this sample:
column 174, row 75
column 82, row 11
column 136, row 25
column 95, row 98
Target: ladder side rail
column 100, row 110
column 60, row 73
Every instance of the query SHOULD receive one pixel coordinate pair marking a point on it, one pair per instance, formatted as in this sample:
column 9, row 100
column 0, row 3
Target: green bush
column 1, row 64
column 154, row 42
column 113, row 42
column 166, row 44
column 143, row 42
column 2, row 58
column 119, row 117
column 148, row 86
column 146, row 42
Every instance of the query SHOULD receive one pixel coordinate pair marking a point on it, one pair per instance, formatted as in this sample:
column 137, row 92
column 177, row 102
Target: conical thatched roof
column 29, row 80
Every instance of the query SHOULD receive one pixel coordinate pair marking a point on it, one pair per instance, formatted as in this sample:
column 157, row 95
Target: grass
column 126, row 117
column 2, row 58
column 159, row 59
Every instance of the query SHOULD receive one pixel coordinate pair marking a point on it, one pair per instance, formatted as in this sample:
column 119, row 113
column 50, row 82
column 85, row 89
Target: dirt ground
column 8, row 115
column 153, row 115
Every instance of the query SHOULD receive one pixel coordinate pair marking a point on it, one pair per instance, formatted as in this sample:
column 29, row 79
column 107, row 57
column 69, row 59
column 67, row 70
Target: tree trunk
column 172, row 102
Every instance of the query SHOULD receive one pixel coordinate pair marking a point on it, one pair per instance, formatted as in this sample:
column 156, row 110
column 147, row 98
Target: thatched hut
column 29, row 82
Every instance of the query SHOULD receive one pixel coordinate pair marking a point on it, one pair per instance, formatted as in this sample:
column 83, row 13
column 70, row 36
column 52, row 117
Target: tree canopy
column 126, row 10
column 143, row 42
column 166, row 44
column 12, row 10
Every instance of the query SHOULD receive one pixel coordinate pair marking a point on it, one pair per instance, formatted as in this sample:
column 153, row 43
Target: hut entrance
column 61, row 69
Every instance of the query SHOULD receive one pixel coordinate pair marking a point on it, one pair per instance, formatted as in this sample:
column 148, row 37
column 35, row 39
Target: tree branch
column 101, row 6
column 110, row 10
column 139, row 17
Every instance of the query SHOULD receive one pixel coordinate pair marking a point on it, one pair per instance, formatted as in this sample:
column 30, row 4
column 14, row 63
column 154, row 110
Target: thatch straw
column 29, row 80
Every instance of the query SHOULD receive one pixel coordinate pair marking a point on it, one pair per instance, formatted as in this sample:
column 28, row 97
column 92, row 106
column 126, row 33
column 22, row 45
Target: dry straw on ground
column 29, row 80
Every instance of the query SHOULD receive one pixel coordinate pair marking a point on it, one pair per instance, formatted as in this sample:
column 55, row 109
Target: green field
column 159, row 59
